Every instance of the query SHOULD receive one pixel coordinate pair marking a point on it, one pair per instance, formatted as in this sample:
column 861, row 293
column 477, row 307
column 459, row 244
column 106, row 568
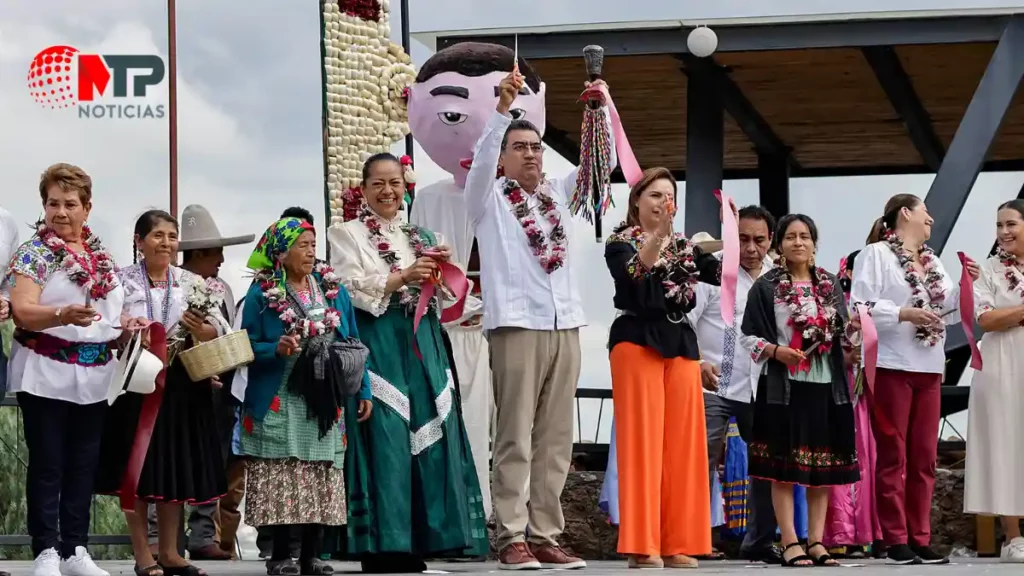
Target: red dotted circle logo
column 53, row 77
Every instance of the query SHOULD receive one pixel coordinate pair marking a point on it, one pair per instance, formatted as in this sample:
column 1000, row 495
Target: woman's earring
column 782, row 261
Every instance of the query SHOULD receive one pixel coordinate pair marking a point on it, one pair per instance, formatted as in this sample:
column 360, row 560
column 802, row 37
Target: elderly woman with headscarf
column 296, row 314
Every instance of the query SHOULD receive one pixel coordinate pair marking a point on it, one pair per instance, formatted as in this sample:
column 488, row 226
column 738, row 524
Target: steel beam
column 845, row 171
column 750, row 121
column 705, row 150
column 773, row 183
column 672, row 40
column 898, row 87
column 977, row 131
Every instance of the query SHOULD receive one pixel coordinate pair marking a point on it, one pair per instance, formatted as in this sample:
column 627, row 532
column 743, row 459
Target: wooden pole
column 172, row 70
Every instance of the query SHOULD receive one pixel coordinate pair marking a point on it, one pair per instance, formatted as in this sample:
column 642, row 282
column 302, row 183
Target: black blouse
column 651, row 316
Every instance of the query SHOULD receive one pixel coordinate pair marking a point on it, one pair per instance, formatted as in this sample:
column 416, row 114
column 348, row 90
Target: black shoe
column 878, row 550
column 929, row 556
column 769, row 555
column 902, row 554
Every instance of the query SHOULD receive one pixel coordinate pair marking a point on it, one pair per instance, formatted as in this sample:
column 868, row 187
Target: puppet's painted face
column 448, row 113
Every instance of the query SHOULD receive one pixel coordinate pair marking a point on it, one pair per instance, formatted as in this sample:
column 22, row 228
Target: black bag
column 326, row 373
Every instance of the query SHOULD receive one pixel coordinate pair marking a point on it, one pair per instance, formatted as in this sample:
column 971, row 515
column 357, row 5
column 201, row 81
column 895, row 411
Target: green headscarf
column 277, row 241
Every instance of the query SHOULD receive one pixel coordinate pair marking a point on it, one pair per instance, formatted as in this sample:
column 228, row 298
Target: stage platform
column 959, row 567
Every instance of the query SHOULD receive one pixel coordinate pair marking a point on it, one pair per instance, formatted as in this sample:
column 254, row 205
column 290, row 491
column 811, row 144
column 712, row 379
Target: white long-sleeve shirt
column 878, row 278
column 517, row 291
column 740, row 384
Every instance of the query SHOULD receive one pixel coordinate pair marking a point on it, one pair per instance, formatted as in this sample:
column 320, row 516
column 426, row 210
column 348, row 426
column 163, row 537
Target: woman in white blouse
column 995, row 427
column 66, row 302
column 413, row 488
column 911, row 299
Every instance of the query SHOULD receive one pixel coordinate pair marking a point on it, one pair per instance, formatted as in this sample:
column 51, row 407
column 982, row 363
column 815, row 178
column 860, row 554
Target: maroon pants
column 905, row 420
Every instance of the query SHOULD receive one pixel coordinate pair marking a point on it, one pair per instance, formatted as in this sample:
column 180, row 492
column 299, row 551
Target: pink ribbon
column 730, row 258
column 869, row 335
column 456, row 281
column 623, row 151
column 147, row 422
column 967, row 310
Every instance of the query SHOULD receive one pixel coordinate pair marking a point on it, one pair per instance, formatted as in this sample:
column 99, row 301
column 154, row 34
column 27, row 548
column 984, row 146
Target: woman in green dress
column 293, row 428
column 413, row 489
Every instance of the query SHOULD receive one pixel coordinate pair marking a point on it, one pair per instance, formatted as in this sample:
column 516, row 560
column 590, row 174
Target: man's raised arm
column 480, row 180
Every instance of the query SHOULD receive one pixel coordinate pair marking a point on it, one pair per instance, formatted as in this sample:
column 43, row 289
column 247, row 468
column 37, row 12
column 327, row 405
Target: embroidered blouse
column 135, row 282
column 992, row 291
column 654, row 302
column 766, row 321
column 880, row 282
column 81, row 377
column 360, row 266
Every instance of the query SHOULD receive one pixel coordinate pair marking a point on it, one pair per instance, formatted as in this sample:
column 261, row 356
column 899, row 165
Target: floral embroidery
column 92, row 268
column 758, row 350
column 803, row 457
column 408, row 295
column 85, row 354
column 550, row 250
column 275, row 404
column 1012, row 271
column 677, row 264
column 278, row 300
column 926, row 291
column 34, row 260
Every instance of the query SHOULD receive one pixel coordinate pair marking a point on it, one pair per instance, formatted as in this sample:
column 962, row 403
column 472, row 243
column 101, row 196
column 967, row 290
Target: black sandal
column 316, row 567
column 154, row 570
column 186, row 570
column 792, row 562
column 825, row 559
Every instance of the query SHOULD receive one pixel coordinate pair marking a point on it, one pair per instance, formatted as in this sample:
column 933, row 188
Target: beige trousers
column 535, row 373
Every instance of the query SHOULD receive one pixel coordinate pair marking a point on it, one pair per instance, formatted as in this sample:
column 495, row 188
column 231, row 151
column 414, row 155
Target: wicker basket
column 217, row 356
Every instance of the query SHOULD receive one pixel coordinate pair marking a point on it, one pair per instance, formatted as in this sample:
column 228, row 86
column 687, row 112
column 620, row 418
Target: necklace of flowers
column 550, row 249
column 92, row 268
column 409, row 295
column 926, row 290
column 1012, row 273
column 295, row 323
column 817, row 329
column 677, row 259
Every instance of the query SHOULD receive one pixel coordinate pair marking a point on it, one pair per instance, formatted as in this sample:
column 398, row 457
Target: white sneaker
column 47, row 563
column 81, row 564
column 1013, row 551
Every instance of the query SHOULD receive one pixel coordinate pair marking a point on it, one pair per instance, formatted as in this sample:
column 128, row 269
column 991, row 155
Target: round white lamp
column 702, row 42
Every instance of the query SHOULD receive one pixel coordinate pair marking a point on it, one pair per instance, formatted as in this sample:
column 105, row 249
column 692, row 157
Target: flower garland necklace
column 550, row 249
column 926, row 290
column 817, row 329
column 278, row 300
column 677, row 259
column 1012, row 273
column 91, row 269
column 409, row 294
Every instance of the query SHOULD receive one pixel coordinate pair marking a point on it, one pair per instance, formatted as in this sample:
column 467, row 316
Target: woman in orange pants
column 664, row 497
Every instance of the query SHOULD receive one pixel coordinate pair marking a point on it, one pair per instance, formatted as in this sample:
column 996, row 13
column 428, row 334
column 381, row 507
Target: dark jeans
column 63, row 451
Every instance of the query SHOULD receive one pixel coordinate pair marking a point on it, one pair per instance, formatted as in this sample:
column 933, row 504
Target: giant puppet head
column 456, row 92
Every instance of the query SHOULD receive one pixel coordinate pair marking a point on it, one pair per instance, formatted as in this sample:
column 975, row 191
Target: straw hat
column 706, row 242
column 199, row 231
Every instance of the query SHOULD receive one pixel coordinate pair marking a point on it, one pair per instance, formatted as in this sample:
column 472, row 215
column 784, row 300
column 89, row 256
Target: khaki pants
column 535, row 373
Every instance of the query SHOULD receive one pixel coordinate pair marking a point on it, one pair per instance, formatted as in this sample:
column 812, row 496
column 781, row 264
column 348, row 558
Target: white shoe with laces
column 81, row 564
column 1013, row 551
column 47, row 563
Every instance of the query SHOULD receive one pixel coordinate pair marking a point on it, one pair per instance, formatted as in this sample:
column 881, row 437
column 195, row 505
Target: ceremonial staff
column 593, row 180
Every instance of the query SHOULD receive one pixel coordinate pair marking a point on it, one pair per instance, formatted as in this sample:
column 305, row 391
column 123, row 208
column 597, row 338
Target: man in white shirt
column 724, row 363
column 532, row 314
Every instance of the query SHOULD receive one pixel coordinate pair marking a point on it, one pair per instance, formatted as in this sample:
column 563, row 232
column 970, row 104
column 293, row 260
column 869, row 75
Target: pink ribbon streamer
column 967, row 310
column 869, row 359
column 456, row 281
column 730, row 258
column 623, row 151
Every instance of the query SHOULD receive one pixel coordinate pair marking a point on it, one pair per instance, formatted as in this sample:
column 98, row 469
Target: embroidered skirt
column 810, row 442
column 290, row 491
column 412, row 483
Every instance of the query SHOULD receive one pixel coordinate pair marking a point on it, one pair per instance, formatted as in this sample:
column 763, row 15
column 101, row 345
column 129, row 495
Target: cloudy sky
column 250, row 140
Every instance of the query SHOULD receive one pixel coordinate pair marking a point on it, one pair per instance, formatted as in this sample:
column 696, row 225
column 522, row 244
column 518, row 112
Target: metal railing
column 12, row 540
